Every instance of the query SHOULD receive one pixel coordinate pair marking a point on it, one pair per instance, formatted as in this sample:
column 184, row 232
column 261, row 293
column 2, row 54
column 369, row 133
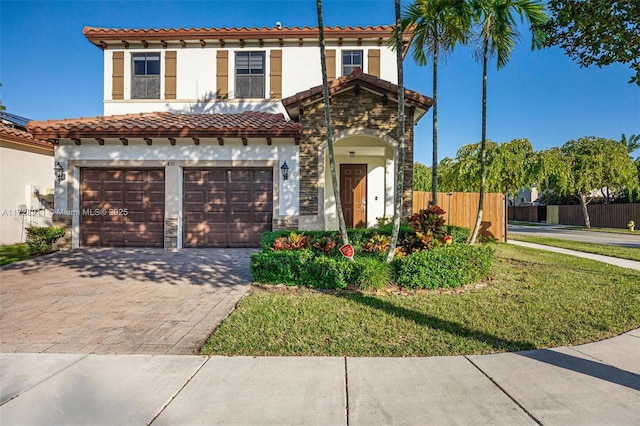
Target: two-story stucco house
column 212, row 136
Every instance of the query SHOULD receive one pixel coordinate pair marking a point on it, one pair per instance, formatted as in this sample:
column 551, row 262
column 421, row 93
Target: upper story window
column 351, row 59
column 250, row 75
column 145, row 78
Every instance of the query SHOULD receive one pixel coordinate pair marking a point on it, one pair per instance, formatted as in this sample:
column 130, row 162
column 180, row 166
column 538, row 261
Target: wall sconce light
column 352, row 154
column 59, row 172
column 285, row 171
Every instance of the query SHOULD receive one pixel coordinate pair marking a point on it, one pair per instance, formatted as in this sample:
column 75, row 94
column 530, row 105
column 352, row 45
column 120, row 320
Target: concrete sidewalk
column 597, row 383
column 624, row 263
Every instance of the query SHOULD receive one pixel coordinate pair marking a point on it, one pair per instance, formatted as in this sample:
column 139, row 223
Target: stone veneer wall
column 348, row 111
column 285, row 224
column 170, row 233
column 60, row 221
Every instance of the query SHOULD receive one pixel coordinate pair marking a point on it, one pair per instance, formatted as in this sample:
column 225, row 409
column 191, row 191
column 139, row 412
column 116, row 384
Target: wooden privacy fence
column 601, row 215
column 462, row 208
column 528, row 213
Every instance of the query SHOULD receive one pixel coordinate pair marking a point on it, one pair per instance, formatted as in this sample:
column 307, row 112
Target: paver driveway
column 148, row 301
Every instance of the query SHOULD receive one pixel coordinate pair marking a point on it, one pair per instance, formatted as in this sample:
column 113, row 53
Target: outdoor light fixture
column 285, row 171
column 59, row 171
column 352, row 154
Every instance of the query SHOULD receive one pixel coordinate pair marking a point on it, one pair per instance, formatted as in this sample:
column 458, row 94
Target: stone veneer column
column 172, row 206
column 60, row 221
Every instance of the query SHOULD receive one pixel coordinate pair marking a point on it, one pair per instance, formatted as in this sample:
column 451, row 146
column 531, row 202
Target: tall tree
column 597, row 32
column 437, row 26
column 631, row 143
column 498, row 36
column 399, row 192
column 581, row 167
column 342, row 227
column 421, row 177
column 511, row 166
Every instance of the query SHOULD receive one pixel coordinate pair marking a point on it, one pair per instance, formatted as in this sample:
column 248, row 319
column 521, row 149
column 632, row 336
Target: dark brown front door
column 353, row 194
column 122, row 207
column 227, row 207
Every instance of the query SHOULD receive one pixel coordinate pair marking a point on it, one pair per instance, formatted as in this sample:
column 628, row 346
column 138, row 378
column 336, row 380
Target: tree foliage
column 583, row 166
column 421, row 177
column 597, row 32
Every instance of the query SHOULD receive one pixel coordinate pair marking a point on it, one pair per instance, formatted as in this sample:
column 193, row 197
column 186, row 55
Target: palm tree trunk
column 327, row 117
column 434, row 161
column 483, row 143
column 399, row 192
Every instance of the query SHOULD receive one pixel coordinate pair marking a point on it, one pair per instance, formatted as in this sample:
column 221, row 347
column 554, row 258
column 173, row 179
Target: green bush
column 300, row 267
column 448, row 266
column 40, row 239
column 370, row 273
column 458, row 233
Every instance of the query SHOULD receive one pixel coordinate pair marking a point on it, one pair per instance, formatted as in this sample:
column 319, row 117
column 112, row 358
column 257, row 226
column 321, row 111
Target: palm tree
column 399, row 192
column 631, row 143
column 327, row 116
column 437, row 26
column 498, row 35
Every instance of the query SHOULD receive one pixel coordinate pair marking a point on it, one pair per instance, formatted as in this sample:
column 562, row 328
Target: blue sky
column 49, row 70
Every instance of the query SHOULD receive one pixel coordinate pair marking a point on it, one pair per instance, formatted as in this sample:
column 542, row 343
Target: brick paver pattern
column 119, row 301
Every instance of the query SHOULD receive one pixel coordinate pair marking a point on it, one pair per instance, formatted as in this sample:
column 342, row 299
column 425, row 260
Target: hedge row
column 448, row 266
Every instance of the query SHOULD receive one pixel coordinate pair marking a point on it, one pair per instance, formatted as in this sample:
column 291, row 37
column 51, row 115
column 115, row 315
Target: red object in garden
column 347, row 251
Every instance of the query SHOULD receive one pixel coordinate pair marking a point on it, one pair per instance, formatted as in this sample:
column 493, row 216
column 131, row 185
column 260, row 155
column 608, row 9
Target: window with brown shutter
column 331, row 64
column 145, row 78
column 222, row 74
column 170, row 71
column 275, row 74
column 117, row 75
column 374, row 62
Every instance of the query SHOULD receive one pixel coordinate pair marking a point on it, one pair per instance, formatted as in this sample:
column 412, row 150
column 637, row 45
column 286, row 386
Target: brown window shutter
column 117, row 76
column 331, row 63
column 275, row 74
column 222, row 74
column 374, row 62
column 170, row 73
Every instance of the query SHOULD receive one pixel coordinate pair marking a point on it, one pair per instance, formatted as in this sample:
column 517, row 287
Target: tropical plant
column 436, row 26
column 597, row 32
column 498, row 35
column 399, row 191
column 378, row 243
column 293, row 242
column 327, row 117
column 429, row 230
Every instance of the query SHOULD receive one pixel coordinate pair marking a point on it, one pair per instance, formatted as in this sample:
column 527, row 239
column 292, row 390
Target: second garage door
column 227, row 207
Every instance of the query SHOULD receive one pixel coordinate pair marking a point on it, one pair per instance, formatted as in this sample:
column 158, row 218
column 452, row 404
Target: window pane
column 138, row 66
column 153, row 65
column 243, row 87
column 351, row 59
column 242, row 63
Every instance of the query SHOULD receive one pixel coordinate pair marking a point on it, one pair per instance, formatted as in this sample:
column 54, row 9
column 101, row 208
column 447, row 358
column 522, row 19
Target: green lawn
column 603, row 249
column 609, row 230
column 14, row 253
column 535, row 299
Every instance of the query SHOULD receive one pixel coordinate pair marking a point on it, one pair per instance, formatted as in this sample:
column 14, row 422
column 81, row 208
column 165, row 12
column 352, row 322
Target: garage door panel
column 134, row 204
column 230, row 206
column 194, row 196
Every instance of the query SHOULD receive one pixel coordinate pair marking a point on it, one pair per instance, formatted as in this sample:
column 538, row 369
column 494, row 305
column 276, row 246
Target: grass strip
column 607, row 230
column 535, row 299
column 602, row 249
column 13, row 253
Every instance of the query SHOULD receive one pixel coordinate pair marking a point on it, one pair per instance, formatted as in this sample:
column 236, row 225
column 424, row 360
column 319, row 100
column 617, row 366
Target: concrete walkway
column 593, row 384
column 624, row 263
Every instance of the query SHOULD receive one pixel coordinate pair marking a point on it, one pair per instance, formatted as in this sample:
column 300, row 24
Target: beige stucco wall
column 22, row 170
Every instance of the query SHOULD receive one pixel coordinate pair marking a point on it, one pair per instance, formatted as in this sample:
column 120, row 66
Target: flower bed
column 429, row 255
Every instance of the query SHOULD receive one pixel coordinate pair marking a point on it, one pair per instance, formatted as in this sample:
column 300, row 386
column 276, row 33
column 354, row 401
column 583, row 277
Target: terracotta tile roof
column 16, row 134
column 168, row 124
column 358, row 78
column 96, row 35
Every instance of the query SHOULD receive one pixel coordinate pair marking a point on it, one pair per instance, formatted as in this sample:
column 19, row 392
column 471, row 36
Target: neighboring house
column 26, row 179
column 526, row 196
column 200, row 125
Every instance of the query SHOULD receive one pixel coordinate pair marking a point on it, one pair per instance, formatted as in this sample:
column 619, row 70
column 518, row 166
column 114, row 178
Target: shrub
column 428, row 225
column 40, row 239
column 292, row 242
column 279, row 267
column 458, row 233
column 370, row 272
column 448, row 266
column 377, row 244
column 325, row 272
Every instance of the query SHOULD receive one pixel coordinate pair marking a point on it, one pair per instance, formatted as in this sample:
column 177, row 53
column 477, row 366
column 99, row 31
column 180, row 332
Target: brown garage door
column 122, row 207
column 227, row 207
